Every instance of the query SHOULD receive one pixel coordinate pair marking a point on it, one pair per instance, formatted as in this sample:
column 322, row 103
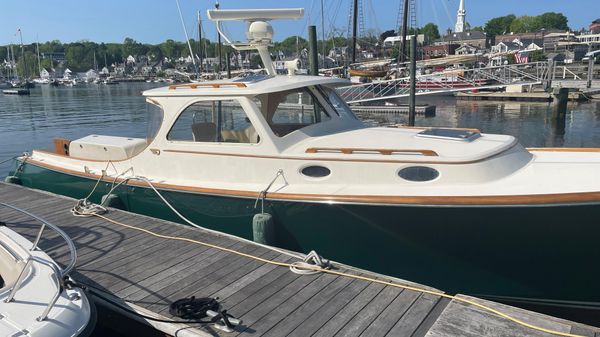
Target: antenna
column 259, row 31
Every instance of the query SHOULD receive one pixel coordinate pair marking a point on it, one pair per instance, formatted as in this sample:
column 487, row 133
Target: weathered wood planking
column 147, row 273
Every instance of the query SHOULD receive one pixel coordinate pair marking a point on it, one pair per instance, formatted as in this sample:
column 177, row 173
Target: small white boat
column 34, row 297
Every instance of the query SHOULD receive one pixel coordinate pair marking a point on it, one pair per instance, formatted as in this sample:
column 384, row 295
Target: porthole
column 418, row 173
column 316, row 171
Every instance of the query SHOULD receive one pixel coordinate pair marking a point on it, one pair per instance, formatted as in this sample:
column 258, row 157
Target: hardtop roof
column 245, row 86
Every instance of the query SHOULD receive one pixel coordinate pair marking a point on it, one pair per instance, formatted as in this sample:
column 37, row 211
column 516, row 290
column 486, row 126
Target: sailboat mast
column 200, row 54
column 354, row 27
column 402, row 54
column 187, row 38
column 37, row 47
column 23, row 55
column 323, row 32
column 14, row 63
column 10, row 62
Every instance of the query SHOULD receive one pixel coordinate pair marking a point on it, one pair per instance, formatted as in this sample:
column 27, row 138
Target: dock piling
column 413, row 81
column 313, row 57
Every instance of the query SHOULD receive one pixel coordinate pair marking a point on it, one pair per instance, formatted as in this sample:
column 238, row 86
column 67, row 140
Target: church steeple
column 460, row 18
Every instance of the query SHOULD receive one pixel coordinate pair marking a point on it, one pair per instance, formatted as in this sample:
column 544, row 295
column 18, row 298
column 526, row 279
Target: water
column 29, row 122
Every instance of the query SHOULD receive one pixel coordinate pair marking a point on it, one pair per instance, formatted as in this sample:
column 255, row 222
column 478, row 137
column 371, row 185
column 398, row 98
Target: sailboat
column 459, row 209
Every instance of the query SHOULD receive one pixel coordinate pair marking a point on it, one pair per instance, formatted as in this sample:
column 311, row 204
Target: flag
column 521, row 57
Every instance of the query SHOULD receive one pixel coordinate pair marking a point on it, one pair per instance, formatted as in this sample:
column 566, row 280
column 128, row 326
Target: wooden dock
column 146, row 273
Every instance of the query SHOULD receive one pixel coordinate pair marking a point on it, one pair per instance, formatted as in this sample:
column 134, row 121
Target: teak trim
column 385, row 152
column 213, row 85
column 564, row 149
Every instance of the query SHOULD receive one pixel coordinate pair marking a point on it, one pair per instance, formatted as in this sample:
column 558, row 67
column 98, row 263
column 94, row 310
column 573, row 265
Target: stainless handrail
column 58, row 273
column 70, row 244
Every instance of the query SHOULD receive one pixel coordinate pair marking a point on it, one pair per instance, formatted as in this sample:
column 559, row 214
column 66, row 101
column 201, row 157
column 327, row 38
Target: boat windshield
column 291, row 110
column 336, row 102
column 154, row 120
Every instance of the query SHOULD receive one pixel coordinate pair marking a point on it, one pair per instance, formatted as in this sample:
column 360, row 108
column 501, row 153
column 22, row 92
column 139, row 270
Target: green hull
column 547, row 253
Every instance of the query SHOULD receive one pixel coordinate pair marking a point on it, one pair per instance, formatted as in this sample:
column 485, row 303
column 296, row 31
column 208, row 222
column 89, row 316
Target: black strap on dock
column 193, row 308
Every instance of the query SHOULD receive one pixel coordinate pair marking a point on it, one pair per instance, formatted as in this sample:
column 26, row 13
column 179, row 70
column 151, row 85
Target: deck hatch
column 467, row 135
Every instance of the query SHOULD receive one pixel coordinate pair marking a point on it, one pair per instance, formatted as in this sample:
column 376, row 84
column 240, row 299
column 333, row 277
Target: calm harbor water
column 29, row 122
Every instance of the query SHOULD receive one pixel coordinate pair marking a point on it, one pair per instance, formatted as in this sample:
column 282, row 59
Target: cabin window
column 316, row 171
column 338, row 104
column 214, row 121
column 288, row 111
column 418, row 173
column 154, row 120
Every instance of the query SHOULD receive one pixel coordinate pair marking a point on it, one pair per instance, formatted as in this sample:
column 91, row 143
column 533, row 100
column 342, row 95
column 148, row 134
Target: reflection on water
column 533, row 123
column 32, row 122
column 28, row 122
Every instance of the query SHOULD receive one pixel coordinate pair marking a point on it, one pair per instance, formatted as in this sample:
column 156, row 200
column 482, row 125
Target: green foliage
column 431, row 32
column 523, row 24
column 291, row 45
column 499, row 25
column 552, row 20
column 386, row 34
column 478, row 29
column 537, row 56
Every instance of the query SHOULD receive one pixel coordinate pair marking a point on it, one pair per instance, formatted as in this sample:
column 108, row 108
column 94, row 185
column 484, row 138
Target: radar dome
column 260, row 31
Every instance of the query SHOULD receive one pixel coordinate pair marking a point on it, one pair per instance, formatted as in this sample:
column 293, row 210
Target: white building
column 460, row 18
column 68, row 74
column 589, row 38
column 90, row 75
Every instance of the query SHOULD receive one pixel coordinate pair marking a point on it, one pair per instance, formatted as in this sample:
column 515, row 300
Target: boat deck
column 146, row 273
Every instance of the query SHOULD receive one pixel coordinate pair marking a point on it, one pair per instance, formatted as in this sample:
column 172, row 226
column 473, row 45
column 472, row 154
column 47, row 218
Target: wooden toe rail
column 203, row 85
column 385, row 152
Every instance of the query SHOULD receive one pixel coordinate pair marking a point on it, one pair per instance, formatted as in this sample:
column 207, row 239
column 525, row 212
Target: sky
column 154, row 21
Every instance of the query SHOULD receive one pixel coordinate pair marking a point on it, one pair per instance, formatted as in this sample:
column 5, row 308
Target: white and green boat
column 457, row 209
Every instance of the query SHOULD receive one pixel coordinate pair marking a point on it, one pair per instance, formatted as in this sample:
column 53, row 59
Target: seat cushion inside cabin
column 98, row 147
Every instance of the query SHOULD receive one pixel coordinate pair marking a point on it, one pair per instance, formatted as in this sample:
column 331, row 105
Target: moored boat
column 35, row 298
column 459, row 209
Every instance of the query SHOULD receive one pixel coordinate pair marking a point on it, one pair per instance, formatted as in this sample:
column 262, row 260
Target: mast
column 10, row 62
column 323, row 32
column 402, row 54
column 14, row 63
column 187, row 38
column 23, row 54
column 37, row 47
column 217, row 5
column 354, row 27
column 200, row 55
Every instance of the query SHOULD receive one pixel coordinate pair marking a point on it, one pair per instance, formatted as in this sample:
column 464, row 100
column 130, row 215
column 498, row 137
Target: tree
column 524, row 24
column 537, row 56
column 431, row 32
column 386, row 34
column 552, row 20
column 499, row 25
column 291, row 44
column 477, row 29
